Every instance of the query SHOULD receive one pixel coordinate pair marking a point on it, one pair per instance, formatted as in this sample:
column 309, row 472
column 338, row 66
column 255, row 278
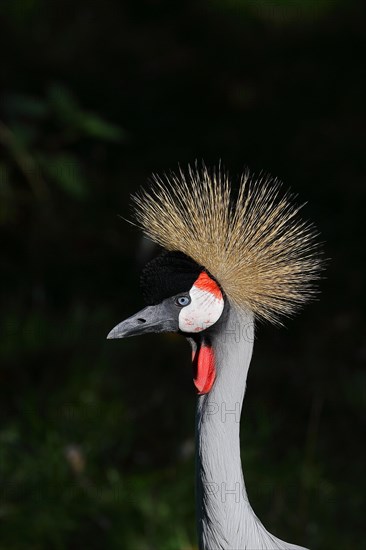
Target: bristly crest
column 264, row 256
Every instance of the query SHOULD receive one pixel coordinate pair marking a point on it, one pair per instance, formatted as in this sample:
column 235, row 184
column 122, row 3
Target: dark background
column 96, row 437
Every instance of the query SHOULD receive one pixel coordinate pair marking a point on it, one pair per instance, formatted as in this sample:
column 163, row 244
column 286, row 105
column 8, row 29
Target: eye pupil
column 183, row 300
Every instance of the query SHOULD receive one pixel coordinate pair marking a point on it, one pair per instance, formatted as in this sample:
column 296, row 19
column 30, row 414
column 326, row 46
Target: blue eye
column 183, row 301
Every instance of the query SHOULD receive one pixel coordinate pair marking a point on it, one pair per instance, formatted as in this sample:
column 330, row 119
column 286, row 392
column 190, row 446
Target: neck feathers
column 225, row 517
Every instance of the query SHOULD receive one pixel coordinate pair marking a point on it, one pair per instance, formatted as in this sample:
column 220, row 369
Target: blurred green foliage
column 96, row 438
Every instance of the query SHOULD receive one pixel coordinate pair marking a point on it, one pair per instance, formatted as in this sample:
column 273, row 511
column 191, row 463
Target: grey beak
column 150, row 319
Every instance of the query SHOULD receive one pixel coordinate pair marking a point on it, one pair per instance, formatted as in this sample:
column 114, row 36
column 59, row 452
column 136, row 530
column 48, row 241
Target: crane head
column 182, row 297
column 247, row 249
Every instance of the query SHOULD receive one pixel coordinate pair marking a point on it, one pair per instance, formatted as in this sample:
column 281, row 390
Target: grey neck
column 225, row 518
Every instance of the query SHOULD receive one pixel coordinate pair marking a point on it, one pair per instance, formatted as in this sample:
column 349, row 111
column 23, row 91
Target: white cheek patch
column 203, row 311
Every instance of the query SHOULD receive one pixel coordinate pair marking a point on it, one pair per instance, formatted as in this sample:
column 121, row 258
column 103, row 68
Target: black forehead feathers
column 167, row 275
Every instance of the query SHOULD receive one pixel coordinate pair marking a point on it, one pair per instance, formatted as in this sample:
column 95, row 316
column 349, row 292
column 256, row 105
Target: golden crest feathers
column 264, row 256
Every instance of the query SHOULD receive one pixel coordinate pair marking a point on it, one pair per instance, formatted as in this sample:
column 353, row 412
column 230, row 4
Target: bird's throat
column 222, row 504
column 204, row 372
column 224, row 515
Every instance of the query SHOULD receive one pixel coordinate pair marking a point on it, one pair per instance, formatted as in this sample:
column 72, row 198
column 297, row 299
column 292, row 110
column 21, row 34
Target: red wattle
column 204, row 372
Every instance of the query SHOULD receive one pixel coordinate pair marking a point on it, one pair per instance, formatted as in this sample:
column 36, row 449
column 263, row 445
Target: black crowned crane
column 227, row 262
